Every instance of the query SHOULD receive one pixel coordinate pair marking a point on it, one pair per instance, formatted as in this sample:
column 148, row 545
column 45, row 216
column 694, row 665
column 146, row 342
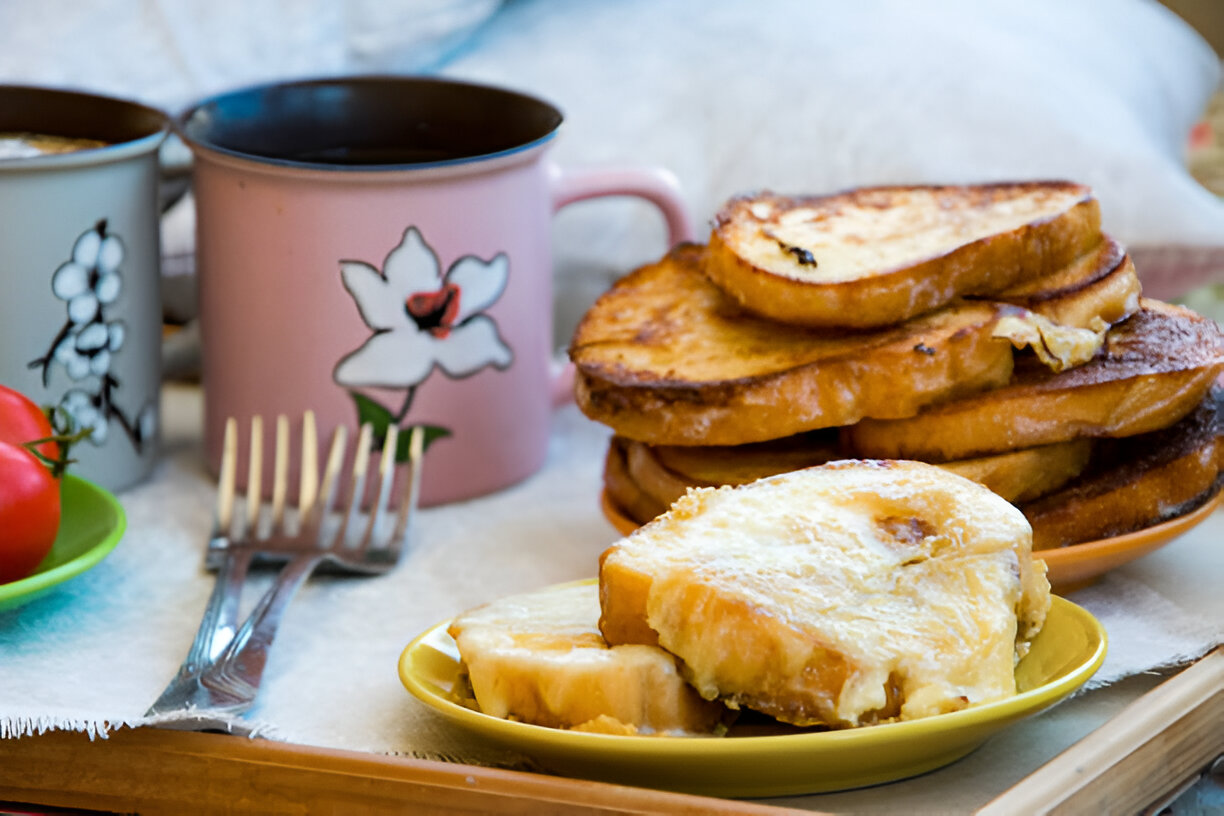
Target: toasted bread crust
column 740, row 464
column 1065, row 223
column 665, row 357
column 655, row 479
column 1154, row 369
column 1017, row 476
column 624, row 490
column 1026, row 474
column 623, row 594
column 1136, row 482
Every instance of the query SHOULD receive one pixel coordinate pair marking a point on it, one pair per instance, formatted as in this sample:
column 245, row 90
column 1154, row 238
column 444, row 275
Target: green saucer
column 91, row 525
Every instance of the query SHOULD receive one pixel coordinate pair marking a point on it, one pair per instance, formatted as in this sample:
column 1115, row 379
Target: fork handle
column 239, row 669
column 217, row 626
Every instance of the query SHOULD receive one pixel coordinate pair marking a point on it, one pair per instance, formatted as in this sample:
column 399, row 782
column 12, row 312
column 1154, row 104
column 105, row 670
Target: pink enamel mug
column 378, row 248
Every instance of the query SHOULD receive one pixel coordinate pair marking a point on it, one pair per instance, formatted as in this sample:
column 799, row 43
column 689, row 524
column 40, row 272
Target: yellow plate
column 774, row 760
column 1070, row 568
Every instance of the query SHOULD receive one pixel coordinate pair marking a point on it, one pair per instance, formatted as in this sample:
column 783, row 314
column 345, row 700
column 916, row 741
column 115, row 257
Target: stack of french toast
column 993, row 330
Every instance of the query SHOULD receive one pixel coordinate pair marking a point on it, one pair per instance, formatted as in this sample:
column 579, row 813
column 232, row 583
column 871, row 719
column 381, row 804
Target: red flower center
column 435, row 311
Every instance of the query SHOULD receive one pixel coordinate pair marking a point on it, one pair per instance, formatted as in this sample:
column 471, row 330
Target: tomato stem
column 65, row 436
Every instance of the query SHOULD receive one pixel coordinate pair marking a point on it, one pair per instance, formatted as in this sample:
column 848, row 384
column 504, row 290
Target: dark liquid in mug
column 29, row 145
column 370, row 122
column 376, row 155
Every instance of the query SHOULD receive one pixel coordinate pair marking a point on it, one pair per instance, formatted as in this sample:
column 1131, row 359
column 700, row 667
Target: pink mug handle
column 659, row 187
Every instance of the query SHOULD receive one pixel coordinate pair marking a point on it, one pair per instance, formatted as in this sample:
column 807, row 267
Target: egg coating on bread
column 539, row 658
column 846, row 594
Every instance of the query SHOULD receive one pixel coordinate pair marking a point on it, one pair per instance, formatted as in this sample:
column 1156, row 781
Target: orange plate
column 1078, row 565
column 1070, row 568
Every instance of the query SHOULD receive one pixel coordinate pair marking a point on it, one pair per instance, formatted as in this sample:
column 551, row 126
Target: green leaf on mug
column 380, row 418
column 372, row 412
column 432, row 434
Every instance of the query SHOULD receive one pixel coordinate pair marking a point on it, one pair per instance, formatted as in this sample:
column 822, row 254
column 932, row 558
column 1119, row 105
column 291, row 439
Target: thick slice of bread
column 539, row 658
column 1153, row 369
column 1136, row 482
column 714, row 465
column 1101, row 286
column 666, row 357
column 623, row 489
column 1025, row 474
column 664, row 473
column 877, row 256
column 844, row 594
column 1063, row 317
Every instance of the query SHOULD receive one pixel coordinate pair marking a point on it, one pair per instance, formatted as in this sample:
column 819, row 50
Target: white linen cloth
column 93, row 654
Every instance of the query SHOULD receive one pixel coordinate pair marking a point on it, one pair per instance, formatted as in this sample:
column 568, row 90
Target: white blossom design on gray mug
column 421, row 319
column 90, row 283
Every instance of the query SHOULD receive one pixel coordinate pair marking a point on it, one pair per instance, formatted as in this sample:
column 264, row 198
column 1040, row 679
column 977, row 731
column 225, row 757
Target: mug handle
column 656, row 185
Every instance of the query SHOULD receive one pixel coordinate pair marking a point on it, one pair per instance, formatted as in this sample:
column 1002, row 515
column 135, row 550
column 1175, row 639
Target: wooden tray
column 151, row 771
column 1151, row 749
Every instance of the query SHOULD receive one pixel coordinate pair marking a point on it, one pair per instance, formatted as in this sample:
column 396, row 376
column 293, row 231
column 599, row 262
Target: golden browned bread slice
column 714, row 465
column 878, row 256
column 844, row 594
column 665, row 473
column 1136, row 482
column 1153, row 369
column 1025, row 474
column 657, row 481
column 666, row 357
column 626, row 494
column 539, row 658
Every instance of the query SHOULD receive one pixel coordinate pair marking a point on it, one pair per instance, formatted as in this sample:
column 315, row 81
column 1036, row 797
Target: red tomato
column 29, row 511
column 23, row 421
column 29, row 493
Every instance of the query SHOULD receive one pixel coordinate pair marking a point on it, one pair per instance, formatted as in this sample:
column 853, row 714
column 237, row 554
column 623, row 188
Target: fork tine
column 224, row 668
column 254, row 477
column 226, row 479
column 416, row 450
column 386, row 475
column 327, row 491
column 280, row 472
column 308, row 482
column 361, row 463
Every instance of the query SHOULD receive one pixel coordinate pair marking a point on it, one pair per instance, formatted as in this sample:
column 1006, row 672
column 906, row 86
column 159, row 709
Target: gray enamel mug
column 80, row 312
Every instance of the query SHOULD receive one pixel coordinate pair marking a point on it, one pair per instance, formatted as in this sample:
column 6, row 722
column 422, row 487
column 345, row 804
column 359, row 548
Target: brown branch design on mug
column 90, row 283
column 421, row 319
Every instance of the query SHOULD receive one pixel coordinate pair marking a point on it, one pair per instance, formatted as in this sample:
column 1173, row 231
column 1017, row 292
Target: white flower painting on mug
column 90, row 283
column 422, row 319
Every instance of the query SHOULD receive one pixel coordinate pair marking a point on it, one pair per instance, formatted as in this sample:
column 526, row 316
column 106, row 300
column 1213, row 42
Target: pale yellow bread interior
column 1154, row 368
column 878, row 256
column 845, row 594
column 539, row 658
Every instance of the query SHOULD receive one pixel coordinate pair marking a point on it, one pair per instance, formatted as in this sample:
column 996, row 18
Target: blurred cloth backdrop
column 788, row 95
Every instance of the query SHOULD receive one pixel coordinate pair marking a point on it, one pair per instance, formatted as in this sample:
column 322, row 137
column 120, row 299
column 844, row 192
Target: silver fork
column 221, row 675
